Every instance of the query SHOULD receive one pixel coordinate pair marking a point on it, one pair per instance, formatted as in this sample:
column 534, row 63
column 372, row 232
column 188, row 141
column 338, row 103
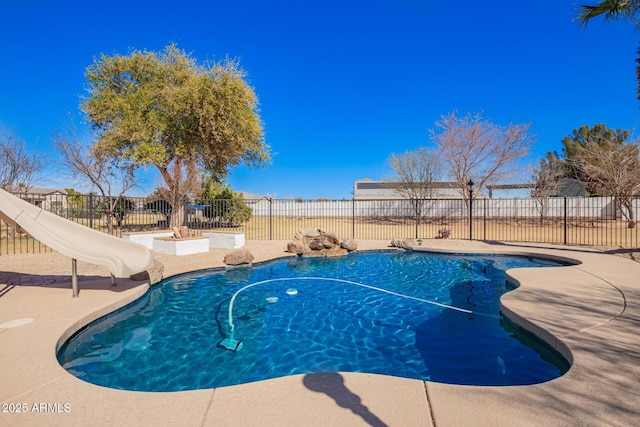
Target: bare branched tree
column 18, row 167
column 474, row 148
column 546, row 179
column 110, row 177
column 415, row 175
column 614, row 169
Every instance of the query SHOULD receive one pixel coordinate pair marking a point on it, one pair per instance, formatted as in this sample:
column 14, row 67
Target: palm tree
column 614, row 10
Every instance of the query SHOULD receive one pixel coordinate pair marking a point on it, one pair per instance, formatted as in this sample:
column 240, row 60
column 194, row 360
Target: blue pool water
column 437, row 319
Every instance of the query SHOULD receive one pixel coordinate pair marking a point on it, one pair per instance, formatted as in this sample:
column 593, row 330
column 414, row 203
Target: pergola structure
column 508, row 187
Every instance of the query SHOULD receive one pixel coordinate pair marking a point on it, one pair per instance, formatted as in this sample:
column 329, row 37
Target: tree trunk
column 174, row 180
column 176, row 219
column 109, row 223
column 626, row 207
column 631, row 223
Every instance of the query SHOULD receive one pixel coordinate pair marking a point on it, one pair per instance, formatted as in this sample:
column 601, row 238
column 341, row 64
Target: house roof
column 45, row 191
column 367, row 188
column 249, row 196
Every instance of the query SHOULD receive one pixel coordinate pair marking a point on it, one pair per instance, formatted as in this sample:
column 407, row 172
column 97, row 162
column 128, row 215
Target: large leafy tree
column 223, row 206
column 569, row 163
column 613, row 10
column 613, row 169
column 164, row 110
column 604, row 160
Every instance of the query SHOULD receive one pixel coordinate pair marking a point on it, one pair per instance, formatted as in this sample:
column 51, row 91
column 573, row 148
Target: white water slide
column 121, row 257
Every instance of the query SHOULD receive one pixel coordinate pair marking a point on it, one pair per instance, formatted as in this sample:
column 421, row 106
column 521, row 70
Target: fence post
column 90, row 210
column 565, row 220
column 470, row 212
column 353, row 218
column 471, row 217
column 270, row 218
column 417, row 217
column 484, row 219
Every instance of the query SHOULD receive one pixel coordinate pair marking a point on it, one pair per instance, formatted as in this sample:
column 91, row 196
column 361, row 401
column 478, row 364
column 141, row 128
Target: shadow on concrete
column 5, row 289
column 332, row 384
column 630, row 253
column 60, row 281
column 554, row 246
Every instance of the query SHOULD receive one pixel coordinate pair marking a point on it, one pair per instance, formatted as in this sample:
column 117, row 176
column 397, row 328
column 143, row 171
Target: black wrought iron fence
column 595, row 221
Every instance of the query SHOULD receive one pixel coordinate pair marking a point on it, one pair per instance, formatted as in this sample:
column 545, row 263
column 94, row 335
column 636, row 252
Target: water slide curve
column 121, row 257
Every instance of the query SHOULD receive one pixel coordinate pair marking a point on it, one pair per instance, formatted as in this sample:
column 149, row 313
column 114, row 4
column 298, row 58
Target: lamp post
column 470, row 187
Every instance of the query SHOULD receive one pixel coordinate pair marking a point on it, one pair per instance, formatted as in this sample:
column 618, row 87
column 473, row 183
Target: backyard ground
column 591, row 307
column 607, row 235
column 22, row 268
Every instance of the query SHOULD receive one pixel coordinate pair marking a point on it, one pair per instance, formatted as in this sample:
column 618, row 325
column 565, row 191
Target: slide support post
column 74, row 277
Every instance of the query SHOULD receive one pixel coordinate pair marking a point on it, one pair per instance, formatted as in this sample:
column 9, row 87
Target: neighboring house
column 569, row 187
column 250, row 197
column 365, row 189
column 565, row 187
column 50, row 199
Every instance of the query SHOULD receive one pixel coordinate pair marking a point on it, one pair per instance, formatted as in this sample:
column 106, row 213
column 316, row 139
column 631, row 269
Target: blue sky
column 342, row 84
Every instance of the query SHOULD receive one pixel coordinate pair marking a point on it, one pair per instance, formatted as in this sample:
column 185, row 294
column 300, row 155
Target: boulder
column 310, row 232
column 332, row 239
column 322, row 253
column 321, row 243
column 408, row 244
column 330, row 245
column 153, row 275
column 316, row 245
column 296, row 247
column 181, row 232
column 239, row 257
column 309, row 239
column 350, row 245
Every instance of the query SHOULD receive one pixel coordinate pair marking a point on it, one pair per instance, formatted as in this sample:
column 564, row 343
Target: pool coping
column 590, row 312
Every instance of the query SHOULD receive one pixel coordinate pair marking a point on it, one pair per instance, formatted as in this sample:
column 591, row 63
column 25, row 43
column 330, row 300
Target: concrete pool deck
column 589, row 311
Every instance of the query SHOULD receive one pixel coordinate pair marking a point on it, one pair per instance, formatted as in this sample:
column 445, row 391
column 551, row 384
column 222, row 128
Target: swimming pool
column 408, row 314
